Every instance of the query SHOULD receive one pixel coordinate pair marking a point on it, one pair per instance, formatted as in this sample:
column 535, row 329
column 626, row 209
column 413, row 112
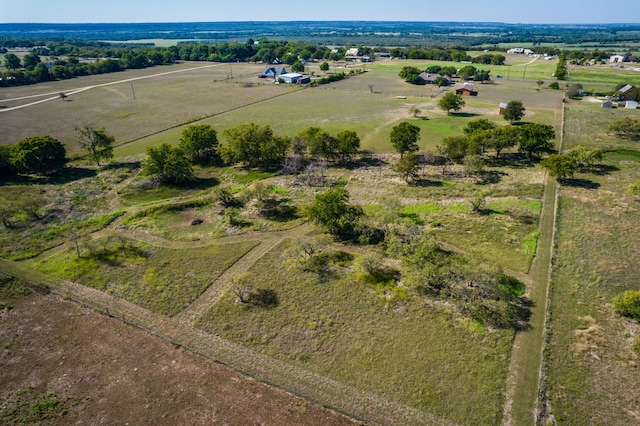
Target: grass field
column 593, row 373
column 160, row 279
column 412, row 352
column 138, row 242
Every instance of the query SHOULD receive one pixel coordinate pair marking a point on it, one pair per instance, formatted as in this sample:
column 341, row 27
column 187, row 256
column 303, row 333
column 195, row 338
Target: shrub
column 554, row 86
column 628, row 304
column 634, row 189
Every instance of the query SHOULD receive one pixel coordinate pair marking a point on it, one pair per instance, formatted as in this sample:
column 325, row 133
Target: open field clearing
column 372, row 115
column 347, row 321
column 593, row 373
column 74, row 365
column 160, row 102
column 400, row 349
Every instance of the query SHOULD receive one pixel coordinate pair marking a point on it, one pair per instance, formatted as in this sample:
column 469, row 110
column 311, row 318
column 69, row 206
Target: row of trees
column 439, row 54
column 250, row 144
column 412, row 74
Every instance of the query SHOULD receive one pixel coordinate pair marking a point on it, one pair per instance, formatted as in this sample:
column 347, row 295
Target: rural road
column 56, row 95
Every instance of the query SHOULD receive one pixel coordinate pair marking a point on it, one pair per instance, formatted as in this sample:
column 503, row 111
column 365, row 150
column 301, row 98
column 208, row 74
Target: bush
column 634, row 189
column 628, row 304
column 554, row 86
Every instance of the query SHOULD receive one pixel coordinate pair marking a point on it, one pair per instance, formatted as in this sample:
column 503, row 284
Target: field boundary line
column 207, row 116
column 524, row 374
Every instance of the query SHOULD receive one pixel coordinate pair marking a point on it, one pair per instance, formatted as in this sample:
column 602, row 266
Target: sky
column 509, row 11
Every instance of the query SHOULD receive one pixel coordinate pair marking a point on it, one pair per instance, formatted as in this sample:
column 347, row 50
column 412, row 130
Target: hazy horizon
column 547, row 12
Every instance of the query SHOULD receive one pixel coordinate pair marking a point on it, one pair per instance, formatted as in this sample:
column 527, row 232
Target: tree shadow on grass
column 464, row 114
column 66, row 175
column 283, row 213
column 602, row 169
column 204, row 183
column 426, row 183
column 491, row 177
column 579, row 183
column 364, row 162
column 129, row 165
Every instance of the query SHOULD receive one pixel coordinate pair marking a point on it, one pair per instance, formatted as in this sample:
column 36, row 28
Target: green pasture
column 587, row 122
column 405, row 350
column 160, row 279
column 593, row 376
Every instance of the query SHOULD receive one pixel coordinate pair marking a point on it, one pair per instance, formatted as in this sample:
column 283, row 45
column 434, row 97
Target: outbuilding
column 293, row 78
column 466, row 89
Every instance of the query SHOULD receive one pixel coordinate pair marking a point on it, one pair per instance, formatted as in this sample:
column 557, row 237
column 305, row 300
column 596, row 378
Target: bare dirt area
column 106, row 372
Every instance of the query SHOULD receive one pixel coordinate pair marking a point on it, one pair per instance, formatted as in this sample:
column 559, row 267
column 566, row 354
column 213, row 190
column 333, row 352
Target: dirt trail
column 523, row 377
column 215, row 290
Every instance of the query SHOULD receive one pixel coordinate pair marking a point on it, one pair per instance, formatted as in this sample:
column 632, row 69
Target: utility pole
column 133, row 91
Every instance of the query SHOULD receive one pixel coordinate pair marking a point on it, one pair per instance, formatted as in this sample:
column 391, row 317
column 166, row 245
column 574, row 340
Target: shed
column 503, row 108
column 631, row 105
column 607, row 104
column 290, row 78
column 466, row 90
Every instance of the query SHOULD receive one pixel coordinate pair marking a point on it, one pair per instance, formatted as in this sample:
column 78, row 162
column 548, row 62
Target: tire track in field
column 84, row 89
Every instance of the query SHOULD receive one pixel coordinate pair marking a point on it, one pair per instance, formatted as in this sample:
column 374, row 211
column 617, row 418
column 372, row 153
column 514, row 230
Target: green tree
column 97, row 143
column 407, row 167
column 478, row 124
column 30, row 61
column 324, row 66
column 628, row 304
column 168, row 164
column 473, row 165
column 586, row 156
column 414, row 79
column 11, row 61
column 560, row 166
column 514, row 111
column 6, row 166
column 466, row 72
column 539, row 83
column 348, row 144
column 535, row 139
column 254, row 145
column 414, row 110
column 319, row 142
column 39, row 154
column 502, row 138
column 451, row 101
column 297, row 66
column 626, row 128
column 561, row 68
column 482, row 76
column 404, row 137
column 200, row 143
column 332, row 211
column 441, row 81
column 407, row 71
column 458, row 147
